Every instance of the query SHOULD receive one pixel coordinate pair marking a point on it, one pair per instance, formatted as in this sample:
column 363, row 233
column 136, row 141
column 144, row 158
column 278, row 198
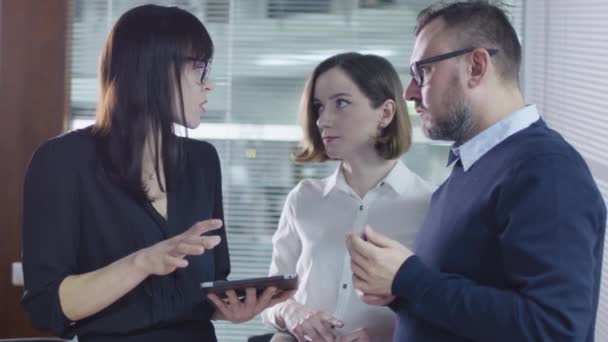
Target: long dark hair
column 140, row 73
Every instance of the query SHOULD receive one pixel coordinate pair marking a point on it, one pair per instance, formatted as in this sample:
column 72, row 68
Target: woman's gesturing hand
column 168, row 255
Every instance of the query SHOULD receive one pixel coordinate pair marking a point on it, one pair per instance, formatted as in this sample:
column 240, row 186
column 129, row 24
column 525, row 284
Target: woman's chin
column 332, row 155
column 190, row 124
column 193, row 125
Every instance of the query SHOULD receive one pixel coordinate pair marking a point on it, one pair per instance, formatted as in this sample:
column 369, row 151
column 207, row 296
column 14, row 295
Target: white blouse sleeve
column 286, row 249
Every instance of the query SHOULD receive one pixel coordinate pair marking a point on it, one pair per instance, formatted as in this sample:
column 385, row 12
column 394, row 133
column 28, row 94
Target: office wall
column 32, row 109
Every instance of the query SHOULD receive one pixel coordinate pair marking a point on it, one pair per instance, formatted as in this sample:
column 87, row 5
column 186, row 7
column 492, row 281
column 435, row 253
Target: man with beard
column 512, row 245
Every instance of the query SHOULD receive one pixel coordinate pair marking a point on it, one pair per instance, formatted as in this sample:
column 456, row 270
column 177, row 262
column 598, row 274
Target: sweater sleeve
column 551, row 220
column 50, row 234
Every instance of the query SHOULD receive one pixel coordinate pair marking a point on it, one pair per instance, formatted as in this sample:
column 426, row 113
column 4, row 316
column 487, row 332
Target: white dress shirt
column 310, row 241
column 471, row 151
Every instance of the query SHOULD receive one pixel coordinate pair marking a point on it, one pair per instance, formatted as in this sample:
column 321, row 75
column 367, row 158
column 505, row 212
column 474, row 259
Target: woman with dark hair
column 352, row 110
column 123, row 219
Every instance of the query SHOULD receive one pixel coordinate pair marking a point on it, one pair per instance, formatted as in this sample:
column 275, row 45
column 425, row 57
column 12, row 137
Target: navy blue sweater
column 511, row 249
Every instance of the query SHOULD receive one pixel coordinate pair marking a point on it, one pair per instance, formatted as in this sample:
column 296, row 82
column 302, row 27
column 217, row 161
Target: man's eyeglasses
column 204, row 65
column 416, row 67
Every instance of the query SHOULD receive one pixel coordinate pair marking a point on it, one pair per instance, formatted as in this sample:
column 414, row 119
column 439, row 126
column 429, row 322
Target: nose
column 324, row 120
column 208, row 85
column 412, row 92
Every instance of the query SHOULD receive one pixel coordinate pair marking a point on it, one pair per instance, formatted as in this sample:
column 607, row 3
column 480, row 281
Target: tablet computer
column 283, row 282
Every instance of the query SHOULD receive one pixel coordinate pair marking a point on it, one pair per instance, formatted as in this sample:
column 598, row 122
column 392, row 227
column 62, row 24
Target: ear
column 389, row 108
column 479, row 64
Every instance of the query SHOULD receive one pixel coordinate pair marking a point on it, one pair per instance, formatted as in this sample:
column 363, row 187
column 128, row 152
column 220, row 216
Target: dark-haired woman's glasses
column 203, row 65
column 416, row 70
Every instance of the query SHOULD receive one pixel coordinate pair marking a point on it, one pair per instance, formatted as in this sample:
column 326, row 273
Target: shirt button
column 382, row 184
column 361, row 207
column 344, row 286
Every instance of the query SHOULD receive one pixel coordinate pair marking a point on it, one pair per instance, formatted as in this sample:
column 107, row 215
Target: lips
column 329, row 139
column 422, row 113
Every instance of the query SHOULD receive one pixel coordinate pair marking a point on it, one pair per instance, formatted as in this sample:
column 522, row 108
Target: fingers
column 251, row 298
column 358, row 247
column 233, row 299
column 324, row 331
column 207, row 241
column 377, row 238
column 173, row 262
column 299, row 334
column 184, row 245
column 378, row 300
column 358, row 270
column 202, row 227
column 359, row 335
column 183, row 249
column 219, row 304
column 332, row 321
column 310, row 325
column 237, row 310
column 265, row 299
column 310, row 332
column 360, row 265
column 211, row 241
column 369, row 248
column 319, row 327
column 193, row 235
column 360, row 284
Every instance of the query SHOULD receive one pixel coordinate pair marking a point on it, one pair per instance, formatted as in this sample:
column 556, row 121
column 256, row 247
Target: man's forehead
column 433, row 39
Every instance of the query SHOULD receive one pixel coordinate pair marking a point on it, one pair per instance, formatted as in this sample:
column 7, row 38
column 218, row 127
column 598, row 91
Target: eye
column 342, row 103
column 317, row 107
column 424, row 69
column 198, row 64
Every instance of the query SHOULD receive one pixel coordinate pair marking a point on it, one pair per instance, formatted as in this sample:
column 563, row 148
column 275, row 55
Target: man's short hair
column 480, row 24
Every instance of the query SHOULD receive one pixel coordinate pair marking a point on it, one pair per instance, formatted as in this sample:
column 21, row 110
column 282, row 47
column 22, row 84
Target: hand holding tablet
column 240, row 300
column 281, row 282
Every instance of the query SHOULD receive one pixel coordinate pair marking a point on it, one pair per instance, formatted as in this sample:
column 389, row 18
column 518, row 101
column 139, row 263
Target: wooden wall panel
column 33, row 107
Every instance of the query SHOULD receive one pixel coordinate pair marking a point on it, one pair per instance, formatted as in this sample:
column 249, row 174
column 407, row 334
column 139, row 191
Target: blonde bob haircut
column 378, row 81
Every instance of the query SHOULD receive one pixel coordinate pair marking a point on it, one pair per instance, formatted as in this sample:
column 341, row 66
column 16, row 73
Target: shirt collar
column 396, row 179
column 471, row 151
column 332, row 181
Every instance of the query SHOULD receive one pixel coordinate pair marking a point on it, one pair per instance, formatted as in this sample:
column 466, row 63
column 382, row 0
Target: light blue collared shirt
column 471, row 151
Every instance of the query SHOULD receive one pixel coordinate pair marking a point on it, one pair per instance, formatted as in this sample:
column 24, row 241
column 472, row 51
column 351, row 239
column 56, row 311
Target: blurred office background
column 265, row 49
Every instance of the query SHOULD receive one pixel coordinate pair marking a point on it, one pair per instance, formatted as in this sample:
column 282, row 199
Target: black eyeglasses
column 205, row 65
column 416, row 71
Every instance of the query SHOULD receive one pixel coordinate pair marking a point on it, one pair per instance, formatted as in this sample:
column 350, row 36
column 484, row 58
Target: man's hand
column 375, row 299
column 375, row 262
column 359, row 335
